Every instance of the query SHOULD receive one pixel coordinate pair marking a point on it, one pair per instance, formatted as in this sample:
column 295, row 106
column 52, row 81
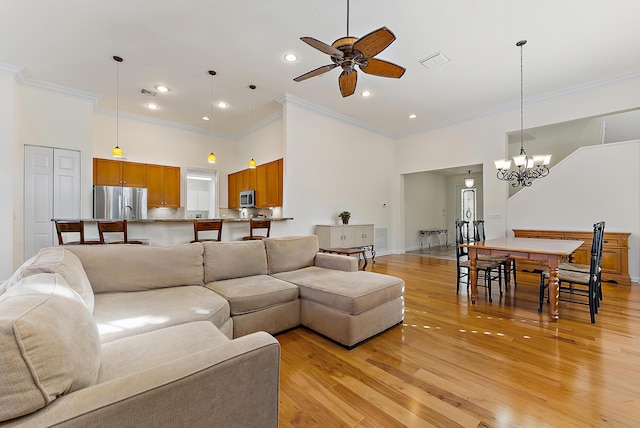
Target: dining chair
column 258, row 224
column 508, row 263
column 580, row 287
column 488, row 268
column 207, row 226
column 119, row 226
column 598, row 234
column 72, row 227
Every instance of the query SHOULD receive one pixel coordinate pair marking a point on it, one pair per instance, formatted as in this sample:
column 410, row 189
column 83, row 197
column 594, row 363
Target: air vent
column 435, row 60
column 144, row 91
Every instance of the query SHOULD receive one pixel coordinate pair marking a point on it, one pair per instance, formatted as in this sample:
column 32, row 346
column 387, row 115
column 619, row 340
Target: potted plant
column 344, row 215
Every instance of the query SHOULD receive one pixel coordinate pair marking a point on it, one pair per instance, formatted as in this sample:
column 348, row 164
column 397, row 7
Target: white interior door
column 51, row 190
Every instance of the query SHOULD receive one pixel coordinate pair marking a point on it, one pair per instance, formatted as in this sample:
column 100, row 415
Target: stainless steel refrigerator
column 115, row 202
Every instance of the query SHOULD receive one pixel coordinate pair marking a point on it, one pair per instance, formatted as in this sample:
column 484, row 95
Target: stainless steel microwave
column 248, row 199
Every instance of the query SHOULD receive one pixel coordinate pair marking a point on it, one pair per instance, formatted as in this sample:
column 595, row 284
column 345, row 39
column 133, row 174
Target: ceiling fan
column 349, row 51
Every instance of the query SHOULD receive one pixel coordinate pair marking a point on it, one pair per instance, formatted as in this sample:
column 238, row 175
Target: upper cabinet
column 163, row 186
column 269, row 184
column 265, row 179
column 162, row 182
column 110, row 172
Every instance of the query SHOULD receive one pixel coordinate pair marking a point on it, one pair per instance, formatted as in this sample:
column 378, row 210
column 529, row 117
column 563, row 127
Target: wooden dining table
column 549, row 251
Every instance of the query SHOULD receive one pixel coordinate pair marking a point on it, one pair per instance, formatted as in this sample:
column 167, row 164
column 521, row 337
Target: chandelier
column 527, row 168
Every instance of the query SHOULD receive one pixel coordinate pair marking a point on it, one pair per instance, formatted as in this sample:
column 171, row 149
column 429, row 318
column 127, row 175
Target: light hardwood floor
column 449, row 364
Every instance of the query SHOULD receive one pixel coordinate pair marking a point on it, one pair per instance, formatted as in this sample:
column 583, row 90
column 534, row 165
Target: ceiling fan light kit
column 348, row 52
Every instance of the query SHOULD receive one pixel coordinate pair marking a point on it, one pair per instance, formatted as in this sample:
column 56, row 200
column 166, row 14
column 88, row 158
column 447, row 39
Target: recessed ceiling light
column 412, row 116
column 205, row 117
column 222, row 104
column 291, row 57
column 152, row 106
column 366, row 93
column 162, row 88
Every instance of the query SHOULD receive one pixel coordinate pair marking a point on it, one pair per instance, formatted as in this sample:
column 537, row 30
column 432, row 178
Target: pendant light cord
column 253, row 87
column 117, row 102
column 521, row 100
column 212, row 73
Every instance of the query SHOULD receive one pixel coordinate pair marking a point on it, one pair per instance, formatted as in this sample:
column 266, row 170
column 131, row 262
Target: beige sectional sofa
column 131, row 335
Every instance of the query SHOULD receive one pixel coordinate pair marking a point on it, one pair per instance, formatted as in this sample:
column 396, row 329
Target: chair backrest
column 259, row 224
column 462, row 237
column 478, row 230
column 206, row 226
column 70, row 227
column 113, row 227
column 596, row 249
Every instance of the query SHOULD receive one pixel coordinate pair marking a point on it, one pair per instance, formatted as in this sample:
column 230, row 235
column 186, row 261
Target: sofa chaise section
column 336, row 300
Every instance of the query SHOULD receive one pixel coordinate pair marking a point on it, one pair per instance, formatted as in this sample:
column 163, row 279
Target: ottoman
column 347, row 307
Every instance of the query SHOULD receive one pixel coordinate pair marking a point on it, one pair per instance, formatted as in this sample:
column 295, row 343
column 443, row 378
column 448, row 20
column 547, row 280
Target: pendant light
column 252, row 162
column 117, row 151
column 469, row 180
column 212, row 158
column 528, row 168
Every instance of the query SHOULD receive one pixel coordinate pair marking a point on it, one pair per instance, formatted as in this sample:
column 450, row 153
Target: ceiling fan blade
column 322, row 47
column 315, row 72
column 347, row 82
column 383, row 68
column 374, row 42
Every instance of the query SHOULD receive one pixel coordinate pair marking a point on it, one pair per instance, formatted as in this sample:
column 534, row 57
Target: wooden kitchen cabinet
column 269, row 184
column 163, row 186
column 265, row 179
column 233, row 193
column 110, row 172
column 615, row 251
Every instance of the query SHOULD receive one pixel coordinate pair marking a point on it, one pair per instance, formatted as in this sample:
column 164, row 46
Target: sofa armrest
column 336, row 262
column 232, row 385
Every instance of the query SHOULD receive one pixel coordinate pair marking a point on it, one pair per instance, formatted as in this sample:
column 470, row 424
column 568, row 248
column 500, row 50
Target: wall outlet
column 494, row 216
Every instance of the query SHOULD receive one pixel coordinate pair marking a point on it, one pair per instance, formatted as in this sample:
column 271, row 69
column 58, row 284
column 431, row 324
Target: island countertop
column 176, row 220
column 173, row 231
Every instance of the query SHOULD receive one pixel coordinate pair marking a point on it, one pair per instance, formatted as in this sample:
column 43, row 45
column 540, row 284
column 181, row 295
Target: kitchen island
column 173, row 231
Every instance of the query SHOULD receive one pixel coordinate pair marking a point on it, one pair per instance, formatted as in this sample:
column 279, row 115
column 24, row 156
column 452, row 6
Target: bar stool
column 72, row 227
column 258, row 224
column 115, row 227
column 205, row 226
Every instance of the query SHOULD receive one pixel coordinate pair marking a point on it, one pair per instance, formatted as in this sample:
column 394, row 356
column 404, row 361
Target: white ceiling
column 70, row 43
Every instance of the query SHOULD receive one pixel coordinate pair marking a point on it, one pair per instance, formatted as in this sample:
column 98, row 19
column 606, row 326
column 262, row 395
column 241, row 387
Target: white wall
column 333, row 166
column 156, row 143
column 596, row 183
column 9, row 147
column 483, row 140
column 425, row 207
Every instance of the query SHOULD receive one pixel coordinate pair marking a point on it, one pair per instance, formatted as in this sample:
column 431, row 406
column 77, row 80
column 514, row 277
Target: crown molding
column 11, row 69
column 288, row 98
column 264, row 122
column 176, row 125
column 533, row 100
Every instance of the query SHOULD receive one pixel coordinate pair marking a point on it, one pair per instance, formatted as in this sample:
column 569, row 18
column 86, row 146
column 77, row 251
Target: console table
column 615, row 251
column 348, row 252
column 430, row 232
column 347, row 236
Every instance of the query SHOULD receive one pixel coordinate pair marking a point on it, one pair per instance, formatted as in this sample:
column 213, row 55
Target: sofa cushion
column 226, row 260
column 126, row 314
column 253, row 293
column 290, row 253
column 59, row 260
column 115, row 268
column 350, row 292
column 129, row 355
column 49, row 344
